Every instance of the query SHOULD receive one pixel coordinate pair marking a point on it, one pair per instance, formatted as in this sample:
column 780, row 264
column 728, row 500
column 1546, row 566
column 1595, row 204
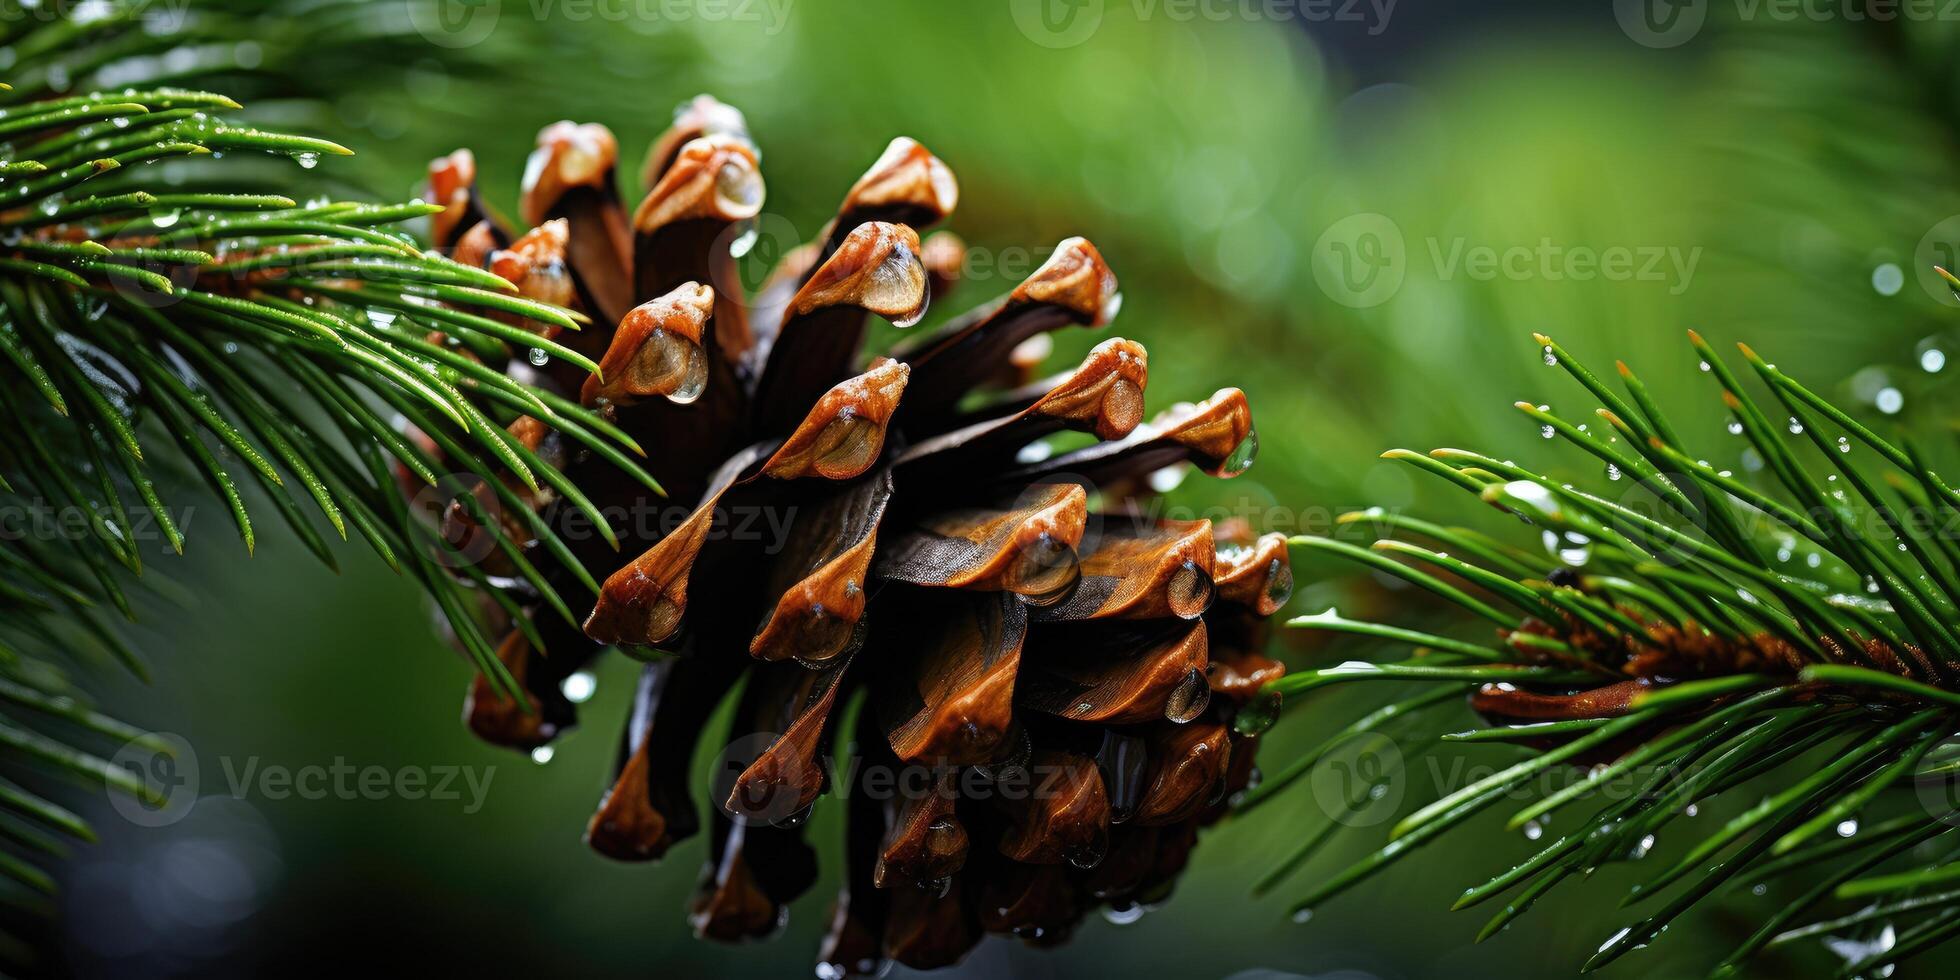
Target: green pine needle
column 1722, row 642
column 150, row 333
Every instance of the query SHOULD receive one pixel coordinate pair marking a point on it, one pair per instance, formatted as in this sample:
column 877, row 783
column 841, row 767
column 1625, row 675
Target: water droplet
column 1242, row 455
column 1166, row 479
column 1302, row 915
column 1189, row 698
column 579, row 687
column 1547, row 431
column 1533, row 830
column 1569, row 547
column 1843, row 444
column 1854, row 950
column 1125, row 914
column 1932, row 360
column 1889, row 400
column 542, row 754
column 1848, row 828
column 538, row 357
column 307, row 161
column 1612, row 471
column 1734, row 427
column 1888, row 278
column 744, row 241
column 1795, row 427
column 1087, row 856
column 1551, row 359
column 1705, row 366
column 1258, row 714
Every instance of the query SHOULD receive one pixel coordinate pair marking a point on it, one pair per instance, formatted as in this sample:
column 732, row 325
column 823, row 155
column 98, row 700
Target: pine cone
column 1049, row 694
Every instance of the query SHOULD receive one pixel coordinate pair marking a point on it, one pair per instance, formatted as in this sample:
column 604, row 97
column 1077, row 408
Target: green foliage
column 157, row 332
column 1696, row 632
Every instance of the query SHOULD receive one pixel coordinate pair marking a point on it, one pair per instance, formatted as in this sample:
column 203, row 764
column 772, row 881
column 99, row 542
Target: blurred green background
column 1294, row 196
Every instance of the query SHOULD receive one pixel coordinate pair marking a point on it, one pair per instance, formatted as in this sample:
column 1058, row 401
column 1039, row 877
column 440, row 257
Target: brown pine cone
column 1048, row 693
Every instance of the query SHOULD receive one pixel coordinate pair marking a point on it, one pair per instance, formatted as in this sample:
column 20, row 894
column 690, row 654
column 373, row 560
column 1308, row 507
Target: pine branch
column 1694, row 630
column 262, row 346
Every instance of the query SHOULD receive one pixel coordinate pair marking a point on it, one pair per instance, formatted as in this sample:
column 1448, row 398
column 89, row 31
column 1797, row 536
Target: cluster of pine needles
column 156, row 333
column 1691, row 634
